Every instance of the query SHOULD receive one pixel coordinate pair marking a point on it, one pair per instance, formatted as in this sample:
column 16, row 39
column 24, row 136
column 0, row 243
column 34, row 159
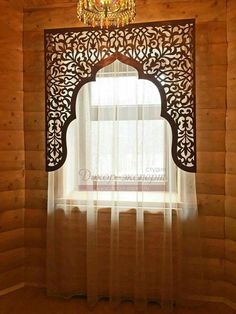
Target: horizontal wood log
column 231, row 97
column 11, row 140
column 230, row 206
column 34, row 102
column 230, row 184
column 35, row 237
column 34, row 61
column 34, row 121
column 231, row 83
column 232, row 51
column 11, row 39
column 11, row 81
column 35, row 276
column 214, row 269
column 35, row 160
column 36, row 179
column 231, row 141
column 230, row 119
column 40, row 3
column 218, row 288
column 230, row 228
column 13, row 60
column 206, row 32
column 34, row 140
column 231, row 22
column 35, row 218
column 211, row 98
column 206, row 141
column 211, row 54
column 230, row 272
column 209, row 183
column 211, row 205
column 231, row 74
column 230, row 250
column 36, row 199
column 11, row 219
column 11, row 120
column 12, row 180
column 34, row 82
column 11, row 100
column 12, row 160
column 229, row 292
column 210, row 119
column 35, row 257
column 213, row 162
column 213, row 227
column 12, row 19
column 11, row 260
column 12, row 200
column 10, row 240
column 231, row 163
column 213, row 248
column 33, row 41
column 11, row 278
column 211, row 76
column 231, row 9
column 12, row 5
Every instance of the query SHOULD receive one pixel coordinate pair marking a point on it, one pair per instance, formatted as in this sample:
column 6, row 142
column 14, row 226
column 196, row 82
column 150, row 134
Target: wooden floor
column 35, row 301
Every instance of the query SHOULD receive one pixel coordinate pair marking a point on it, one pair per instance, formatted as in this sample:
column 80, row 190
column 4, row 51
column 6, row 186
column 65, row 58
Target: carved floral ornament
column 162, row 52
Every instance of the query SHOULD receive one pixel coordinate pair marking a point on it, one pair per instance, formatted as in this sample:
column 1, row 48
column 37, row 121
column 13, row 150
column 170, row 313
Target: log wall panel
column 230, row 177
column 12, row 160
column 211, row 61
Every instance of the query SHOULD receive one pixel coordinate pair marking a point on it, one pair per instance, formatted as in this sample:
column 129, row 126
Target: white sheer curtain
column 122, row 217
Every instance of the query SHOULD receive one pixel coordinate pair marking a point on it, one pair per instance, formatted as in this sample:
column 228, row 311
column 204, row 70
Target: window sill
column 127, row 200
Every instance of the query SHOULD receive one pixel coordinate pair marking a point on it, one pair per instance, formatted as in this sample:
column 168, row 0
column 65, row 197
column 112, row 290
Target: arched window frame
column 162, row 52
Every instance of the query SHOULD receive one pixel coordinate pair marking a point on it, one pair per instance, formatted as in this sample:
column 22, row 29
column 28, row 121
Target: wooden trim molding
column 161, row 52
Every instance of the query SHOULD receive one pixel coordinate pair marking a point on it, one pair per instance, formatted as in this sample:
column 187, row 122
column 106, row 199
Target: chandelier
column 105, row 13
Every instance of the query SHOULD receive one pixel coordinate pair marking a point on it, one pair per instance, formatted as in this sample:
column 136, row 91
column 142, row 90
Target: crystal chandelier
column 105, row 13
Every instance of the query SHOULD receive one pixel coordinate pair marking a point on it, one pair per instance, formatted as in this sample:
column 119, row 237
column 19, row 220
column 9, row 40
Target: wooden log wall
column 230, row 177
column 12, row 160
column 211, row 64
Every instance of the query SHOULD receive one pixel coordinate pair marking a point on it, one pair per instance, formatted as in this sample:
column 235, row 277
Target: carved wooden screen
column 162, row 52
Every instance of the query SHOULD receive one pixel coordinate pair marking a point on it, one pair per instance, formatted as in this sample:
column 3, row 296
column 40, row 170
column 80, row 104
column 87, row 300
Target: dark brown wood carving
column 162, row 52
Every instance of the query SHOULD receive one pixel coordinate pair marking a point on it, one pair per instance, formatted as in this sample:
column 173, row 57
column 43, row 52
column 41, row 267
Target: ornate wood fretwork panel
column 162, row 52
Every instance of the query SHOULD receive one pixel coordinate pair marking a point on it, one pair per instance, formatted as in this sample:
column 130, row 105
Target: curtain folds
column 122, row 217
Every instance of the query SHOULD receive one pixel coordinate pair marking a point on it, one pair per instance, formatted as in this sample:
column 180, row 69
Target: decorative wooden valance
column 162, row 52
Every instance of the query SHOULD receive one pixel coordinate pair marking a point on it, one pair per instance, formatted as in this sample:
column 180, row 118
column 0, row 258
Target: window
column 123, row 140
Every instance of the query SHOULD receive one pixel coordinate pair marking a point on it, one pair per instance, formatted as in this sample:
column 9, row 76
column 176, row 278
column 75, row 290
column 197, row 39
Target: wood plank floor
column 34, row 301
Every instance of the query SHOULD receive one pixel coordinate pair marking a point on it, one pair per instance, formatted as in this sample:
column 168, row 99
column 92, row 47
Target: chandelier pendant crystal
column 105, row 13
